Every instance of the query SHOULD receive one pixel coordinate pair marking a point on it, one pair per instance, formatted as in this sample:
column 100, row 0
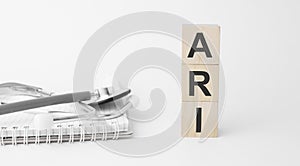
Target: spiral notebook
column 19, row 128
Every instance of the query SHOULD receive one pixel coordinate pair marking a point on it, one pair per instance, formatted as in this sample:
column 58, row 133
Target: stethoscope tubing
column 45, row 101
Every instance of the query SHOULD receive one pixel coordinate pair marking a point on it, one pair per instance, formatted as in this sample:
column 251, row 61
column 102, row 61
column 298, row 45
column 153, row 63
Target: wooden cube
column 200, row 82
column 204, row 40
column 199, row 119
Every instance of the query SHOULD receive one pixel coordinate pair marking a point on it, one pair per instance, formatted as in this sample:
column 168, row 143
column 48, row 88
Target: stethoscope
column 89, row 101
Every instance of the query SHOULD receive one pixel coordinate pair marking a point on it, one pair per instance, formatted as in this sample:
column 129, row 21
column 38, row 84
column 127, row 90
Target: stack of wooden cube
column 200, row 80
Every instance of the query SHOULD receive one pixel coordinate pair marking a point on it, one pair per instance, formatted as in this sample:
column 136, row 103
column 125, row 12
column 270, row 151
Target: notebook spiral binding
column 60, row 134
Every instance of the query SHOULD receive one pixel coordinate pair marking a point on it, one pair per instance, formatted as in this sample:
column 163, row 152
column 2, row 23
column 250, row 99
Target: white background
column 40, row 42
